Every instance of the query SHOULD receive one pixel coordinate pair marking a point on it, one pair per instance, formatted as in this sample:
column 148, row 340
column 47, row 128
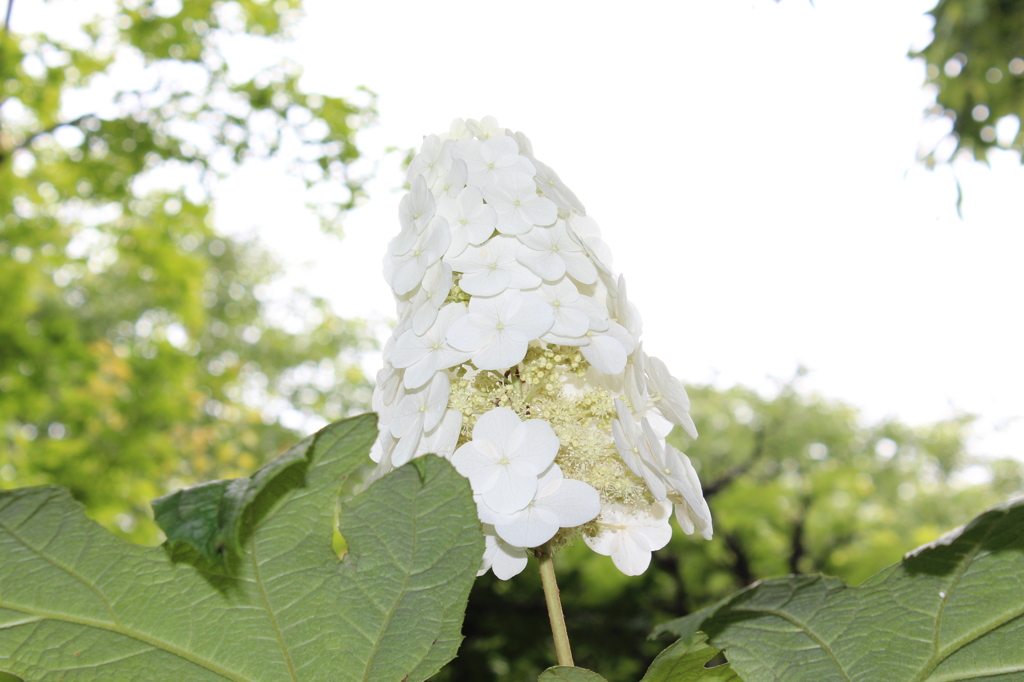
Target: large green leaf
column 566, row 673
column 950, row 611
column 79, row 605
column 684, row 661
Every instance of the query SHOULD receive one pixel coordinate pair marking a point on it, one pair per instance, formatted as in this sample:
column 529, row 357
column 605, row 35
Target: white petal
column 532, row 317
column 422, row 371
column 674, row 404
column 441, row 441
column 580, row 267
column 632, row 553
column 512, row 488
column 509, row 562
column 469, row 333
column 485, row 282
column 546, row 264
column 476, row 461
column 574, row 503
column 497, row 426
column 605, row 353
column 530, row 527
column 408, row 417
column 502, row 558
column 534, row 441
column 417, row 206
column 408, row 275
column 405, row 448
column 500, row 352
column 569, row 321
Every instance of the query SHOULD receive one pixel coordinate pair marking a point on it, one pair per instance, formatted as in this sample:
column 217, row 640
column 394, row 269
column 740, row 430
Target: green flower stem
column 547, row 578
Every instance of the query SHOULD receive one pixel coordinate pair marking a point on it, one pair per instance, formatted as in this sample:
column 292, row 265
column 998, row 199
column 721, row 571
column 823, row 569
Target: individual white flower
column 423, row 355
column 629, row 537
column 430, row 245
column 692, row 510
column 504, row 560
column 494, row 161
column 559, row 503
column 433, row 161
column 624, row 312
column 585, row 229
column 458, row 131
column 498, row 329
column 553, row 188
column 608, row 348
column 448, row 186
column 548, row 181
column 430, row 295
column 505, row 458
column 415, row 211
column 550, row 253
column 670, row 476
column 570, row 319
column 441, row 441
column 635, row 378
column 388, row 381
column 471, row 220
column 485, row 128
column 491, row 268
column 422, row 409
column 627, row 439
column 670, row 399
column 517, row 203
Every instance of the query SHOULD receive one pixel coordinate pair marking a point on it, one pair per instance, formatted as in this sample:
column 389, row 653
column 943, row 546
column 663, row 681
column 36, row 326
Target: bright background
column 753, row 168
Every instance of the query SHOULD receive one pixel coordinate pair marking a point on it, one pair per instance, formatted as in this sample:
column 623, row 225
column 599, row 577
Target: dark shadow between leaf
column 717, row 661
column 221, row 578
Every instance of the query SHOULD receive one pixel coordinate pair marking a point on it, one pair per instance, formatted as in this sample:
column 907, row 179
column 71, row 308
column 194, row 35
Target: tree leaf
column 565, row 673
column 684, row 662
column 78, row 604
column 951, row 610
column 209, row 516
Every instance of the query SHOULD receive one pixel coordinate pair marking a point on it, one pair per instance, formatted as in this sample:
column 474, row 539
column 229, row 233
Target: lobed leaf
column 684, row 662
column 951, row 610
column 565, row 673
column 79, row 605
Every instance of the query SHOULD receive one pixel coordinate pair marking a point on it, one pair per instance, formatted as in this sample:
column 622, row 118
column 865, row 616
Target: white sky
column 751, row 164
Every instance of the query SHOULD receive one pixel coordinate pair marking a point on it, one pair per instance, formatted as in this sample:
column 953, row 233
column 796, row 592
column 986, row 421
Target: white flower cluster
column 517, row 356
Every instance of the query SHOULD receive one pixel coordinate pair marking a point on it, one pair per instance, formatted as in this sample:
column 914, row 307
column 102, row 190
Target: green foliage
column 686, row 661
column 139, row 350
column 283, row 608
column 949, row 611
column 564, row 673
column 796, row 484
column 209, row 517
column 977, row 60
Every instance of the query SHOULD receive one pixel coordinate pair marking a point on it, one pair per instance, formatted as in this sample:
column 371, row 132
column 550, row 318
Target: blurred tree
column 976, row 61
column 139, row 350
column 796, row 484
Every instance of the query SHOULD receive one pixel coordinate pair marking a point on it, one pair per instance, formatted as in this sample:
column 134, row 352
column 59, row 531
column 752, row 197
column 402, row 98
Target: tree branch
column 798, row 549
column 7, row 16
column 738, row 470
column 741, row 561
column 75, row 122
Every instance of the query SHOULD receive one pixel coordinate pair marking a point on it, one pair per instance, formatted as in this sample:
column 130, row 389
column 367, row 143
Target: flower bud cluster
column 517, row 356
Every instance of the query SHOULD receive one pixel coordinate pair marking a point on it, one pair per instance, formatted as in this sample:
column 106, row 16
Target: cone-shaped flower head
column 517, row 356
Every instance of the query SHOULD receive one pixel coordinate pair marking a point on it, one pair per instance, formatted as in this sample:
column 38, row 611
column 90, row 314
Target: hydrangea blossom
column 517, row 356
